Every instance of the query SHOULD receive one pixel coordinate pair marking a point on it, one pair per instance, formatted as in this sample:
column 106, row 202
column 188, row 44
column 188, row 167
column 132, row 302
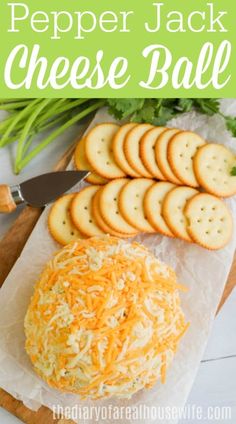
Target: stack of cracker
column 125, row 197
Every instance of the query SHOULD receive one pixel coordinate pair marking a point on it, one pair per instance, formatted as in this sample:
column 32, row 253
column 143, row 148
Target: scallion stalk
column 24, row 135
column 43, row 144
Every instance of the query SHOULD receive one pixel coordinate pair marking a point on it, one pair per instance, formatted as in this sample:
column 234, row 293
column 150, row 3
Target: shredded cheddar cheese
column 105, row 319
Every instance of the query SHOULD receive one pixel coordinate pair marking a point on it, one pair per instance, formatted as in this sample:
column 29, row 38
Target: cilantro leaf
column 146, row 114
column 159, row 111
column 207, row 106
column 184, row 105
column 233, row 171
column 122, row 108
column 165, row 114
column 231, row 124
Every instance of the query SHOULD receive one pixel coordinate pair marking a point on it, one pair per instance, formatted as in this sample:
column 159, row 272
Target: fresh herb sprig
column 159, row 111
column 29, row 117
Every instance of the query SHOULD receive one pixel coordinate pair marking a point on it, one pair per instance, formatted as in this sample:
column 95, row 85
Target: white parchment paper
column 204, row 272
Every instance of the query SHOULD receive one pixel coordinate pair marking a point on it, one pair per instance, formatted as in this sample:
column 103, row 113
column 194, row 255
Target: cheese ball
column 104, row 320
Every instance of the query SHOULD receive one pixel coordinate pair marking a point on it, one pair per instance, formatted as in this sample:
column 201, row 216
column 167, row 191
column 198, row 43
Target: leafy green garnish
column 122, row 108
column 231, row 124
column 233, row 171
column 207, row 106
column 160, row 111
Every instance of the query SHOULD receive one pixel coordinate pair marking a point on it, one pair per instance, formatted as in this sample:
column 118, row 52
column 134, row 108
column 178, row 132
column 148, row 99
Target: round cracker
column 212, row 165
column 131, row 203
column 209, row 222
column 109, row 207
column 153, row 206
column 98, row 149
column 60, row 224
column 118, row 150
column 81, row 212
column 181, row 150
column 161, row 147
column 100, row 221
column 147, row 151
column 82, row 164
column 173, row 210
column 132, row 149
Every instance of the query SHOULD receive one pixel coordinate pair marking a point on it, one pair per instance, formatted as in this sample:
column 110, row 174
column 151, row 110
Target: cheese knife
column 40, row 190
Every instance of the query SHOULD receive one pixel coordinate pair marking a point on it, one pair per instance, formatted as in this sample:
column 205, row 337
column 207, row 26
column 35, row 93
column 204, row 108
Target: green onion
column 20, row 165
column 29, row 117
column 23, row 138
column 17, row 117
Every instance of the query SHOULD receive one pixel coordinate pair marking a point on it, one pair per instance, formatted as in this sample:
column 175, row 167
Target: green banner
column 125, row 48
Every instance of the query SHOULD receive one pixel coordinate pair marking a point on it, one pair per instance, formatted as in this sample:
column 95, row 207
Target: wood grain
column 231, row 283
column 10, row 249
column 16, row 407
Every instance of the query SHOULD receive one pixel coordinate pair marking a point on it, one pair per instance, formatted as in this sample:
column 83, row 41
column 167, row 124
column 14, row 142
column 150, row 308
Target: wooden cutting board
column 10, row 249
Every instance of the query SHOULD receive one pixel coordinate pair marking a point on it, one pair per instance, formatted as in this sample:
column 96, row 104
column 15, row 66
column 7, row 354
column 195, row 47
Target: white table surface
column 215, row 384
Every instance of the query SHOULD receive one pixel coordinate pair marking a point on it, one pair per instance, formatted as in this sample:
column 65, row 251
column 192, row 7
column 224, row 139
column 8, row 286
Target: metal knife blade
column 43, row 189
